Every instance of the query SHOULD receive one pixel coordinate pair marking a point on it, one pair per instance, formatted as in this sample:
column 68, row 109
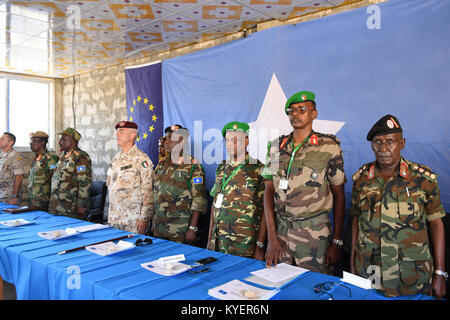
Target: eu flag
column 145, row 106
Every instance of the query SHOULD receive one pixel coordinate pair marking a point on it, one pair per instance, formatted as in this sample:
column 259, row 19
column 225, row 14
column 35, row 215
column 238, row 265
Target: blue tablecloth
column 32, row 264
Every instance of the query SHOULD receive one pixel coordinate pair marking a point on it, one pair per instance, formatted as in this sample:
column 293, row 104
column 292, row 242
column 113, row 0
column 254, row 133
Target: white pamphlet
column 166, row 269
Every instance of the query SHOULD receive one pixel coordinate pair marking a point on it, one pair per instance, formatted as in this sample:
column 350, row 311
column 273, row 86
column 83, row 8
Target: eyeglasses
column 300, row 110
column 327, row 286
column 143, row 242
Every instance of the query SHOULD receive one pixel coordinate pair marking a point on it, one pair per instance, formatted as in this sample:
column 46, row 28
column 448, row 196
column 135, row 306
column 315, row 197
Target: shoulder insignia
column 145, row 164
column 76, row 152
column 197, row 180
column 314, row 140
column 424, row 171
column 371, row 173
column 358, row 173
column 404, row 171
column 283, row 143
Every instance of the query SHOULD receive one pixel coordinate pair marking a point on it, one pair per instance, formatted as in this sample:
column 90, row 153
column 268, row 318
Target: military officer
column 237, row 224
column 304, row 182
column 179, row 190
column 130, row 183
column 397, row 219
column 41, row 170
column 72, row 178
column 11, row 170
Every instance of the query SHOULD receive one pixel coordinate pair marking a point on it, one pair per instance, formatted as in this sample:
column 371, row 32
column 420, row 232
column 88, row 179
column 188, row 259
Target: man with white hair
column 11, row 170
column 130, row 183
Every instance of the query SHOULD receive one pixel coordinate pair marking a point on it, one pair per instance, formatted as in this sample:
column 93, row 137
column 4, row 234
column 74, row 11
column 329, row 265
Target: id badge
column 219, row 200
column 283, row 184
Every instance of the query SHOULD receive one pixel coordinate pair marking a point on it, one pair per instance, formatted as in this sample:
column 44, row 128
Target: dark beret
column 386, row 125
column 126, row 124
column 173, row 128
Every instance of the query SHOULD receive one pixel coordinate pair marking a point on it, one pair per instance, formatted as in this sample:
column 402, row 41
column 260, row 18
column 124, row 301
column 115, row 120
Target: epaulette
column 361, row 170
column 423, row 171
column 331, row 136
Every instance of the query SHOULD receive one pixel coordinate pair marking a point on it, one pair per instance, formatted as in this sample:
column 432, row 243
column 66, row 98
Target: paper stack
column 276, row 277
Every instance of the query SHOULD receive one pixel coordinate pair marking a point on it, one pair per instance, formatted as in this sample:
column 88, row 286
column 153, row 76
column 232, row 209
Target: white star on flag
column 273, row 122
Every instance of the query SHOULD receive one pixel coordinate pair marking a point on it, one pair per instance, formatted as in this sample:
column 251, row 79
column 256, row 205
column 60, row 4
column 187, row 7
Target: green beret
column 72, row 133
column 299, row 97
column 386, row 125
column 235, row 126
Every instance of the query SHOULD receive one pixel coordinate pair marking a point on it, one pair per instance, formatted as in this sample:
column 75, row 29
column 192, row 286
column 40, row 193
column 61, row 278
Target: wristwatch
column 337, row 242
column 441, row 273
column 193, row 228
column 260, row 244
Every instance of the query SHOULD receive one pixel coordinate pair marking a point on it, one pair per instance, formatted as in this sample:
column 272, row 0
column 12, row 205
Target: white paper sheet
column 280, row 274
column 238, row 290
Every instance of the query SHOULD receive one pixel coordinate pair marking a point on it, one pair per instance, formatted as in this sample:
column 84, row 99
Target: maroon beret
column 126, row 124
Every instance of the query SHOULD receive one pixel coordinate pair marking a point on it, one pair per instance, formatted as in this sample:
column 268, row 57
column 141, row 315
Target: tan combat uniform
column 11, row 165
column 130, row 189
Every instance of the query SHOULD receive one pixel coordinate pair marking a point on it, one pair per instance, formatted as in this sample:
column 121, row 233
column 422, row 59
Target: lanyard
column 224, row 183
column 293, row 154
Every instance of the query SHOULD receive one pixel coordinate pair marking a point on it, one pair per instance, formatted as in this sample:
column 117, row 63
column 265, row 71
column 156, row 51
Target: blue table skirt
column 32, row 264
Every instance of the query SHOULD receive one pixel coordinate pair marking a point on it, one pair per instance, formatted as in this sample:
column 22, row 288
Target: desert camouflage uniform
column 236, row 223
column 71, row 182
column 40, row 177
column 302, row 211
column 392, row 223
column 11, row 164
column 179, row 189
column 130, row 189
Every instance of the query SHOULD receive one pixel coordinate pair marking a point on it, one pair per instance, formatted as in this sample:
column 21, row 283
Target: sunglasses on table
column 143, row 242
column 327, row 286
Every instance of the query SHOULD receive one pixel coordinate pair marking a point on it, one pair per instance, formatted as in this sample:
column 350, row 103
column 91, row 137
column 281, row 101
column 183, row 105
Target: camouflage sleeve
column 52, row 163
column 147, row 175
column 335, row 170
column 217, row 182
column 355, row 209
column 17, row 165
column 84, row 176
column 433, row 207
column 260, row 192
column 268, row 171
column 198, row 191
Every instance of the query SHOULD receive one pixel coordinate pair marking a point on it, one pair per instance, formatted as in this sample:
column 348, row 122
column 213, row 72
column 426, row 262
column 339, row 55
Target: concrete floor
column 9, row 291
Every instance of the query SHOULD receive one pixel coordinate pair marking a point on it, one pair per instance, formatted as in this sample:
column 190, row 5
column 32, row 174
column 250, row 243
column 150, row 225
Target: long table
column 32, row 264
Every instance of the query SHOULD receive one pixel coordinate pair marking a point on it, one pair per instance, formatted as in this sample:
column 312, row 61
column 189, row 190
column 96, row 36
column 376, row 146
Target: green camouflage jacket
column 40, row 177
column 316, row 165
column 71, row 182
column 237, row 222
column 178, row 189
column 392, row 223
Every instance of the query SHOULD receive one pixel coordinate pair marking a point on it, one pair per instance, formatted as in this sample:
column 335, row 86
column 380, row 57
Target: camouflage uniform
column 178, row 190
column 130, row 189
column 392, row 223
column 11, row 164
column 40, row 177
column 302, row 211
column 71, row 182
column 237, row 222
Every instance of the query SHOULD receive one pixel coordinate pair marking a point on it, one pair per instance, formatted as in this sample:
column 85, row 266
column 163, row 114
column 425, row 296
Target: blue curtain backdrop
column 145, row 106
column 358, row 74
